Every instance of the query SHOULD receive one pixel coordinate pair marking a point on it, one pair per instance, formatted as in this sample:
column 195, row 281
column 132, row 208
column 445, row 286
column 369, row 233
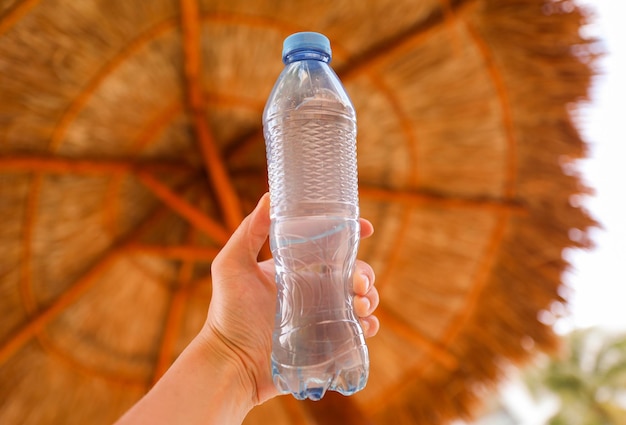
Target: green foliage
column 589, row 378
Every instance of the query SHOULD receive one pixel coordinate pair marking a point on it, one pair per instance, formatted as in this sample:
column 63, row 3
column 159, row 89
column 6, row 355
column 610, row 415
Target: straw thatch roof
column 130, row 147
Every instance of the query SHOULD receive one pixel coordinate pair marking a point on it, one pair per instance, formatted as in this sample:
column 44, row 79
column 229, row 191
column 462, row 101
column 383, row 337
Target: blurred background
column 596, row 282
column 130, row 145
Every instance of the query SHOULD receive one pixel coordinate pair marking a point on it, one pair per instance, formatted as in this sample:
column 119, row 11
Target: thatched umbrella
column 131, row 147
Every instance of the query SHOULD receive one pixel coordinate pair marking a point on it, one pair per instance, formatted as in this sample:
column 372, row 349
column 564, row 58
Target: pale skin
column 225, row 371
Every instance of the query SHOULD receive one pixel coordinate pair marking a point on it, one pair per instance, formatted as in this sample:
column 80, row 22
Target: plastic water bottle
column 310, row 133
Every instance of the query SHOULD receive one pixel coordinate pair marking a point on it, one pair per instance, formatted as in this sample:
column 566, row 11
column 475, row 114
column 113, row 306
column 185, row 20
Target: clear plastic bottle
column 310, row 132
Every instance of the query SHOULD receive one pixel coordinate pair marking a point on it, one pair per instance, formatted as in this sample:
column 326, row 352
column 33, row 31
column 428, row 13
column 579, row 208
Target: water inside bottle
column 318, row 343
column 310, row 133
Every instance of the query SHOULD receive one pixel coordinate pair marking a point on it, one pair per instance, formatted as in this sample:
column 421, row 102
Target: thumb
column 242, row 249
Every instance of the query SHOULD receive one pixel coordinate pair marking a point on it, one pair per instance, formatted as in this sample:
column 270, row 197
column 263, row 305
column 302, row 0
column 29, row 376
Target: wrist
column 245, row 354
column 203, row 386
column 227, row 373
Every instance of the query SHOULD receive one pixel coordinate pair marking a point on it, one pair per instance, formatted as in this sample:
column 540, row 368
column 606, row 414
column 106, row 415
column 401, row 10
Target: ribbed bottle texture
column 310, row 133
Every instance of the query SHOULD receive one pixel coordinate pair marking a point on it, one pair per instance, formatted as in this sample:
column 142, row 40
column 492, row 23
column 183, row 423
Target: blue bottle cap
column 306, row 41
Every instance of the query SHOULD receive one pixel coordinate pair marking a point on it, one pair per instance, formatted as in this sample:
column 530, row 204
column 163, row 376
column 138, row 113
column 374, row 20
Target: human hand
column 225, row 371
column 241, row 315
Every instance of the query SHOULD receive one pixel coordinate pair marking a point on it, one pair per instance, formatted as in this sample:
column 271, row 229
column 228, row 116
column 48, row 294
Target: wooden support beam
column 15, row 13
column 432, row 349
column 379, row 53
column 175, row 315
column 86, row 166
column 185, row 209
column 420, row 199
column 405, row 40
column 215, row 165
column 46, row 315
column 177, row 252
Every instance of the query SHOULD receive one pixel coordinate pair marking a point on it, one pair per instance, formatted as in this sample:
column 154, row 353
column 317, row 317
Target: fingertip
column 362, row 306
column 367, row 228
column 245, row 243
column 361, row 284
column 364, row 278
column 261, row 215
column 263, row 206
column 365, row 326
column 374, row 326
column 370, row 326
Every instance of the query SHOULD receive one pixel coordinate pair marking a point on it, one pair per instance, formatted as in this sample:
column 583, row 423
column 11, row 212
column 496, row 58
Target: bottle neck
column 306, row 55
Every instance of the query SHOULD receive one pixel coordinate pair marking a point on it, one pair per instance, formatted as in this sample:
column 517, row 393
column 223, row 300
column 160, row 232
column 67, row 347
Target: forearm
column 204, row 386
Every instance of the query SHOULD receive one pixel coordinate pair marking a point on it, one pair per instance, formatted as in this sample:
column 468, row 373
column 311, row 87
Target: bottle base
column 312, row 382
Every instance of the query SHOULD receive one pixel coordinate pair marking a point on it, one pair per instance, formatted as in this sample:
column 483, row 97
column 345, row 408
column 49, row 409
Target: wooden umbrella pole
column 215, row 166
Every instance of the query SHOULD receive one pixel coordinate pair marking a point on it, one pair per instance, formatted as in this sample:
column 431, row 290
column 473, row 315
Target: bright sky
column 599, row 276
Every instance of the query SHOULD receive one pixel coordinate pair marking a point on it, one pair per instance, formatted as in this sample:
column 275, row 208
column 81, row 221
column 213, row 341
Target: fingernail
column 365, row 325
